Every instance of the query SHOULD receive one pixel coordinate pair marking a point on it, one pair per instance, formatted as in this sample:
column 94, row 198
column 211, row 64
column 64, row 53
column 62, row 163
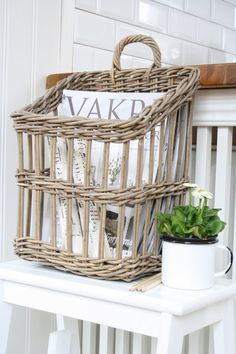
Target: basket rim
column 64, row 84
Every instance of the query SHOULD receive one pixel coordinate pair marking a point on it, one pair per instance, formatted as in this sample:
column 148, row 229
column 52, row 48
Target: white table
column 161, row 312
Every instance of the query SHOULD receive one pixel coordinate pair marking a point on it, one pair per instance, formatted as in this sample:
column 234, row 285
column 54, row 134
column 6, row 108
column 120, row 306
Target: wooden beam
column 212, row 76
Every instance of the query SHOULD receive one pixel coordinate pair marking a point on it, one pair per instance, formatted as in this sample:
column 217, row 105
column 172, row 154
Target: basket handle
column 149, row 41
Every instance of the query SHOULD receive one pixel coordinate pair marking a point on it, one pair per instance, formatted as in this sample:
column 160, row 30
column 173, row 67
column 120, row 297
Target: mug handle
column 229, row 265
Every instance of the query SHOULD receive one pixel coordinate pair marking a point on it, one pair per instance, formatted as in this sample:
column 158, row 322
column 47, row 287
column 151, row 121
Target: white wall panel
column 30, row 42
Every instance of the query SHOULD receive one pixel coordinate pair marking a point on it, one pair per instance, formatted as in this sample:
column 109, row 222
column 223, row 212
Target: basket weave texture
column 39, row 122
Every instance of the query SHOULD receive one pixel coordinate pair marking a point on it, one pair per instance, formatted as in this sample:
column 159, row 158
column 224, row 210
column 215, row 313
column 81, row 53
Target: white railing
column 214, row 158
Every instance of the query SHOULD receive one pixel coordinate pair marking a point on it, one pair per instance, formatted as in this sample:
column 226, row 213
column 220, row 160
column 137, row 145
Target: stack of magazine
column 113, row 106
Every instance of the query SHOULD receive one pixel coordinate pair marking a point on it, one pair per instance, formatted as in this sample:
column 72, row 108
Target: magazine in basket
column 102, row 105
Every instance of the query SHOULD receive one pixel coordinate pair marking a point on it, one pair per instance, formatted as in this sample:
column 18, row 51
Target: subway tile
column 152, row 15
column 82, row 58
column 89, row 5
column 194, row 54
column 94, row 30
column 178, row 4
column 201, row 8
column 182, row 25
column 102, row 59
column 141, row 63
column 223, row 13
column 136, row 49
column 118, row 9
column 229, row 38
column 171, row 48
column 231, row 1
column 209, row 34
column 126, row 61
column 217, row 56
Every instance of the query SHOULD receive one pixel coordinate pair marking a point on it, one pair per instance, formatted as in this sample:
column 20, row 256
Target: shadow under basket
column 57, row 214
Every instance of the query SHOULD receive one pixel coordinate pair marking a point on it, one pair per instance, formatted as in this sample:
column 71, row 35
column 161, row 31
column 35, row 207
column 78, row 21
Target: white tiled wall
column 187, row 31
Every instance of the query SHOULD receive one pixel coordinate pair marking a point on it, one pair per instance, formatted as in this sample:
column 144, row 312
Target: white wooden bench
column 162, row 313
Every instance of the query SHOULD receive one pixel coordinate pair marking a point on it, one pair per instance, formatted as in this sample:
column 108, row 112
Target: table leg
column 5, row 320
column 194, row 343
column 171, row 337
column 60, row 342
column 72, row 325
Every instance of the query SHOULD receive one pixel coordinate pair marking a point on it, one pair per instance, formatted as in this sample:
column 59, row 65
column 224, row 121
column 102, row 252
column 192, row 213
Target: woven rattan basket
column 38, row 124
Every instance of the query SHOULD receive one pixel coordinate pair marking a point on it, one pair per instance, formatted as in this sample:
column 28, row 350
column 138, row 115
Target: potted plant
column 189, row 237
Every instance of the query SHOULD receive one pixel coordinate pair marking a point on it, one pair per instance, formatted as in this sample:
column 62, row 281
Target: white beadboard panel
column 3, row 24
column 216, row 56
column 136, row 49
column 229, row 40
column 201, row 8
column 46, row 55
column 194, row 54
column 17, row 94
column 223, row 13
column 171, row 48
column 178, row 4
column 117, row 9
column 3, row 113
column 66, row 35
column 209, row 34
column 182, row 25
column 94, row 30
column 29, row 50
column 82, row 58
column 89, row 5
column 152, row 15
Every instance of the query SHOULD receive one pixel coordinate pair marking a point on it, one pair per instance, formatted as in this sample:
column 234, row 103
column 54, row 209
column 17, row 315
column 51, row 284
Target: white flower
column 202, row 193
column 190, row 185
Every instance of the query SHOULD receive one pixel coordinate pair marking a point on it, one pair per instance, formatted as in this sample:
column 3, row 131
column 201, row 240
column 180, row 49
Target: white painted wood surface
column 165, row 313
column 30, row 44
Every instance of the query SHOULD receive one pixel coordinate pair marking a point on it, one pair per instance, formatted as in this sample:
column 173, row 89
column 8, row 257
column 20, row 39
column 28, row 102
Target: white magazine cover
column 103, row 105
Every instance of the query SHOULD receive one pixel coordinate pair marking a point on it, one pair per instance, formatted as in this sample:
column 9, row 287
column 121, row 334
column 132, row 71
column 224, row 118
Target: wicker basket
column 38, row 122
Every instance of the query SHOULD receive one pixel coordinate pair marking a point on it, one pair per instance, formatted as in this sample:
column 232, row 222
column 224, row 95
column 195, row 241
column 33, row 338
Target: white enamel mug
column 191, row 265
